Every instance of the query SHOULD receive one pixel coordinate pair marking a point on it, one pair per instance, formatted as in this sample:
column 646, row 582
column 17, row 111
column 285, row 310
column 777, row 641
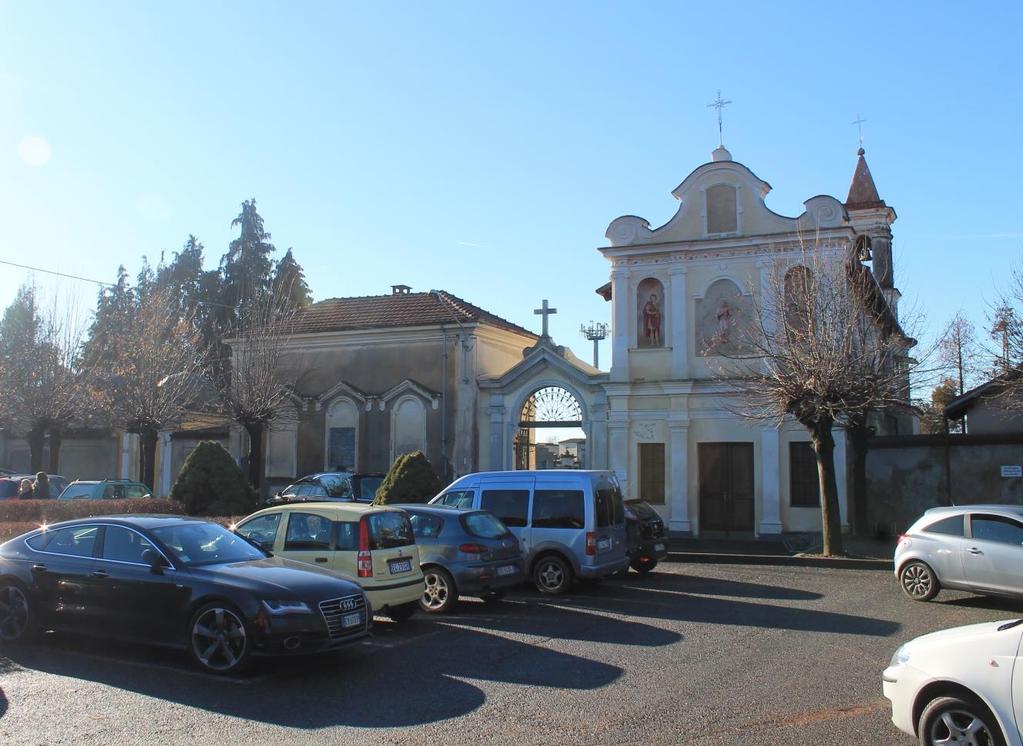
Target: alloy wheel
column 218, row 639
column 551, row 575
column 13, row 613
column 436, row 591
column 960, row 727
column 917, row 580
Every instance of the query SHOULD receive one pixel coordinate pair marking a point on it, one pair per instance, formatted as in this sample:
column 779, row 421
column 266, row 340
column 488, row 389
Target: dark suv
column 331, row 485
column 648, row 541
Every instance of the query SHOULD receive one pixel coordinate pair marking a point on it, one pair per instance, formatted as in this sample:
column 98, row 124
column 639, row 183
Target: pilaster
column 679, row 324
column 770, row 487
column 620, row 324
column 678, row 485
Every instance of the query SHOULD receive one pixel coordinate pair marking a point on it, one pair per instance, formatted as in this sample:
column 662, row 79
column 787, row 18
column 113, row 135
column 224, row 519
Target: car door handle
column 39, row 568
column 321, row 559
column 100, row 574
column 974, row 550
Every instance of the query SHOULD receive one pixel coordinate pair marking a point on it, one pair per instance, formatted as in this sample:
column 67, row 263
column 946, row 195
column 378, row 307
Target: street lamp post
column 594, row 331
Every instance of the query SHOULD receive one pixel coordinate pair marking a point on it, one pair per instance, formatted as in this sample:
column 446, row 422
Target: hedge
column 410, row 480
column 211, row 483
column 52, row 511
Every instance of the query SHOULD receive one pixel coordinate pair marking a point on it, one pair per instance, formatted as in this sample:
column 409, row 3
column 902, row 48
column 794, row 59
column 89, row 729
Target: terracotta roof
column 862, row 192
column 399, row 309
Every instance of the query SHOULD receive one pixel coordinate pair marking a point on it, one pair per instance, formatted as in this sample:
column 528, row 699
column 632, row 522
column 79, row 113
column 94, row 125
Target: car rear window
column 426, row 526
column 484, row 525
column 559, row 509
column 609, row 505
column 511, row 506
column 642, row 510
column 952, row 526
column 390, row 529
column 8, row 488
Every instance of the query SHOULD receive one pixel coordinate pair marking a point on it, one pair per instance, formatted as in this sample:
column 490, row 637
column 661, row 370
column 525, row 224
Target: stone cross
column 545, row 312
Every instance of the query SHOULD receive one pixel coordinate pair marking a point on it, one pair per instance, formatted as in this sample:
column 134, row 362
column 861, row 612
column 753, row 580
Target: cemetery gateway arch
column 555, row 410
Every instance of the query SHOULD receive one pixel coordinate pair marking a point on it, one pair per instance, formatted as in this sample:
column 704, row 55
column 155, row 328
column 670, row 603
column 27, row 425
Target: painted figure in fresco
column 652, row 321
column 724, row 320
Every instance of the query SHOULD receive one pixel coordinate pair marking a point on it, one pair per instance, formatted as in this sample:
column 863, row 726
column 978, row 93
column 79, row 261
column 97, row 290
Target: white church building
column 663, row 419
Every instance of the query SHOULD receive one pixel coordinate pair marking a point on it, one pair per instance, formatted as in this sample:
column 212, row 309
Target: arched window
column 342, row 436
column 650, row 315
column 408, row 427
column 722, row 214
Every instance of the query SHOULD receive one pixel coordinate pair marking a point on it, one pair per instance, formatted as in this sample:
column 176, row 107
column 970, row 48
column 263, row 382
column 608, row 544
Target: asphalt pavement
column 691, row 654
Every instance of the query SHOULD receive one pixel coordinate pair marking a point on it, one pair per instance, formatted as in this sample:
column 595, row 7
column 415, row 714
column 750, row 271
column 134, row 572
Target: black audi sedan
column 175, row 581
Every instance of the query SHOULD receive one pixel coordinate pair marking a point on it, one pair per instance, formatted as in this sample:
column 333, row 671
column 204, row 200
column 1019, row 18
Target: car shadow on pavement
column 520, row 616
column 411, row 679
column 714, row 587
column 992, row 603
column 639, row 600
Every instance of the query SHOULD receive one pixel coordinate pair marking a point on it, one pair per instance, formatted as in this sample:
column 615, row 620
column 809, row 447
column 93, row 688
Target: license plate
column 658, row 547
column 507, row 570
column 399, row 566
column 604, row 544
column 351, row 620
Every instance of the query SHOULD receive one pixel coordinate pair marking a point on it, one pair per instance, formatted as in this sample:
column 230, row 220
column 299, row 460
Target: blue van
column 570, row 523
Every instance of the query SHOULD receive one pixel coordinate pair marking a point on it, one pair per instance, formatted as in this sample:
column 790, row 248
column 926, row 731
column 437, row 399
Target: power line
column 101, row 283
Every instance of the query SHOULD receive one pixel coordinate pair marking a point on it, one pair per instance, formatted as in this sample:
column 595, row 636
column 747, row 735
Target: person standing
column 25, row 489
column 41, row 489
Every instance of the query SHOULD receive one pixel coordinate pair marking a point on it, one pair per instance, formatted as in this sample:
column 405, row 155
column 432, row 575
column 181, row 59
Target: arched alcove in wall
column 341, row 436
column 408, row 426
column 650, row 313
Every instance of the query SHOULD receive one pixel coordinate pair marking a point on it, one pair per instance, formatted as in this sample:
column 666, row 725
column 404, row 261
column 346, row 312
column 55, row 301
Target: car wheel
column 551, row 574
column 919, row 581
column 493, row 596
column 961, row 720
column 439, row 592
column 218, row 640
column 17, row 617
column 403, row 612
column 644, row 566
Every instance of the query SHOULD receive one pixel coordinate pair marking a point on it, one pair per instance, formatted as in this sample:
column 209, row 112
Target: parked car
column 975, row 548
column 9, row 485
column 105, row 489
column 332, row 485
column 373, row 545
column 176, row 581
column 955, row 686
column 570, row 523
column 463, row 552
column 648, row 542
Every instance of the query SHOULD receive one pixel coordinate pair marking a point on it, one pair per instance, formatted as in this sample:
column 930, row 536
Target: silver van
column 570, row 524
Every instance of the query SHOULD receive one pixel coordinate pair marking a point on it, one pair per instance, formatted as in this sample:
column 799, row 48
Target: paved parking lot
column 694, row 653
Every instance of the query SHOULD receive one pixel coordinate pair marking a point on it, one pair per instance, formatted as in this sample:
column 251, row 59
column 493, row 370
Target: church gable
column 720, row 200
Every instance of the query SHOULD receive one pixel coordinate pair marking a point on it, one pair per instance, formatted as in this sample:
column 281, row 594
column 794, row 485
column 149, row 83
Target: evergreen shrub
column 410, row 480
column 211, row 483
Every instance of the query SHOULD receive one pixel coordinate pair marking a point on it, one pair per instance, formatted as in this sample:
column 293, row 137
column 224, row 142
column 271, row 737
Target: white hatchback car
column 975, row 548
column 959, row 686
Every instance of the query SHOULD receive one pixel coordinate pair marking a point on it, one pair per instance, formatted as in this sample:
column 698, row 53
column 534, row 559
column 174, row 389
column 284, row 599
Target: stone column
column 770, row 476
column 596, row 441
column 621, row 324
column 496, row 411
column 679, row 324
column 679, row 484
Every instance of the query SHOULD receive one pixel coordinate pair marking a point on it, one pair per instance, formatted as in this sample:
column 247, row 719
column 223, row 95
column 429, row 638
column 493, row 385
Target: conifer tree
column 289, row 283
column 247, row 266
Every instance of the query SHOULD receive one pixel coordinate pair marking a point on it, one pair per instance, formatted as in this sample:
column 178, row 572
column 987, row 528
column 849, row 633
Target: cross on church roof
column 859, row 127
column 545, row 312
column 719, row 104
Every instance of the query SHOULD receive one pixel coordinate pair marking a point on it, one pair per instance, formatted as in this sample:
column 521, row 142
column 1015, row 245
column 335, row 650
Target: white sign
column 1012, row 471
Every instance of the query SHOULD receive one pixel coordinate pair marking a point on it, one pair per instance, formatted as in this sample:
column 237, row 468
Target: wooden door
column 726, row 486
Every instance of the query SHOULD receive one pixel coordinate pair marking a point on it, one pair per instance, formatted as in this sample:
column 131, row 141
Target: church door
column 726, row 486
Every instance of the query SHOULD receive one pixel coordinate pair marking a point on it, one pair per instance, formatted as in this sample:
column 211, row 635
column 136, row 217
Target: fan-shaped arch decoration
column 551, row 406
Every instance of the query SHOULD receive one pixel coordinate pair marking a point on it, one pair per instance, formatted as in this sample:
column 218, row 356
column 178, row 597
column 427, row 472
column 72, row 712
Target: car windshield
column 206, row 544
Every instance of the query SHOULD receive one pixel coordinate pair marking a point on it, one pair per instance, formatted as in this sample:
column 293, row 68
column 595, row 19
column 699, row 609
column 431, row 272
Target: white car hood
column 985, row 634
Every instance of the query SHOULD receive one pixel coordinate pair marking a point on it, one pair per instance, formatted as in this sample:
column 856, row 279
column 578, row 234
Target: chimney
column 400, row 289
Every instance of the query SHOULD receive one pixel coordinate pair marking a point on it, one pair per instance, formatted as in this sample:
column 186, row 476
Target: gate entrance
column 550, row 434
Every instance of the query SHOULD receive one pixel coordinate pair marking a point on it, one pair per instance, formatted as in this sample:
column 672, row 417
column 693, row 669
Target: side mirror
column 155, row 561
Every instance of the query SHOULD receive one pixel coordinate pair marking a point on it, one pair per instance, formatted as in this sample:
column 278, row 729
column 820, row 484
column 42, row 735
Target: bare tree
column 47, row 383
column 154, row 370
column 822, row 346
column 958, row 351
column 260, row 382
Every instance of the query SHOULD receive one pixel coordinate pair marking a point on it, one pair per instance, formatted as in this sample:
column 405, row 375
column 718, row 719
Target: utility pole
column 594, row 332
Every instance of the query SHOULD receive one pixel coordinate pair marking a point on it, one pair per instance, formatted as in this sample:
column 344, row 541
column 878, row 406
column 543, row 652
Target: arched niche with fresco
column 721, row 317
column 650, row 313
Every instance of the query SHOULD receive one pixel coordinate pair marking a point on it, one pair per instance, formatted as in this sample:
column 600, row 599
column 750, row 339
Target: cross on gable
column 545, row 312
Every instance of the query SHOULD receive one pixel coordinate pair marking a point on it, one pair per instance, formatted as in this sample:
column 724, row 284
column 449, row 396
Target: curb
column 781, row 560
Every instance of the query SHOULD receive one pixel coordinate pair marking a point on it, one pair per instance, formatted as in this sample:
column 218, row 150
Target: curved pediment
column 724, row 199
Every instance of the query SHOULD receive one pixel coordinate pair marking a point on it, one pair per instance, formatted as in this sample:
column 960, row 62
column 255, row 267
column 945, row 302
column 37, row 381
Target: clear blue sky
column 483, row 148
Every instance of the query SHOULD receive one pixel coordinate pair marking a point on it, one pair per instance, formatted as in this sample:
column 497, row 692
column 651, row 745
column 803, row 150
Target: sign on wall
column 1012, row 471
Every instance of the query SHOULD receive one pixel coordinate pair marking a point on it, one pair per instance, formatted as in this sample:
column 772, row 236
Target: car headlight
column 900, row 657
column 278, row 608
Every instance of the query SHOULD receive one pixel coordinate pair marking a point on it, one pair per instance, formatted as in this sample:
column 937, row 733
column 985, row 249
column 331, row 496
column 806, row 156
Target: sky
column 483, row 148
